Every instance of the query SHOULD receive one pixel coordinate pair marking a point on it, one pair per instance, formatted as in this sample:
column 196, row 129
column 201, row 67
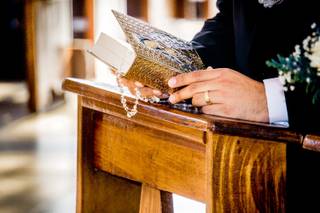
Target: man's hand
column 145, row 91
column 231, row 93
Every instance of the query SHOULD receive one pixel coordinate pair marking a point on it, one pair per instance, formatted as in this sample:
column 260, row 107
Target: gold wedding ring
column 207, row 98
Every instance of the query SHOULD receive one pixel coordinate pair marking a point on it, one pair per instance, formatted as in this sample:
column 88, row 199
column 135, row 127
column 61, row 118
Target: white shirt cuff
column 276, row 101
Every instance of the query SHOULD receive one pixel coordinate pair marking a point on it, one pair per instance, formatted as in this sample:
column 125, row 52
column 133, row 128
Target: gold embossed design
column 151, row 74
column 160, row 55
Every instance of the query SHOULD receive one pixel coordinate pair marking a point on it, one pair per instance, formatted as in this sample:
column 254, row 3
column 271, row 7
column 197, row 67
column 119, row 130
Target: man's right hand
column 145, row 91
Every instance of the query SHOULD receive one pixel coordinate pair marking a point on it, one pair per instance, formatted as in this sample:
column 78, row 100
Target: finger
column 156, row 92
column 192, row 89
column 146, row 92
column 132, row 90
column 215, row 97
column 138, row 84
column 216, row 109
column 129, row 84
column 191, row 77
column 126, row 82
column 122, row 81
column 164, row 96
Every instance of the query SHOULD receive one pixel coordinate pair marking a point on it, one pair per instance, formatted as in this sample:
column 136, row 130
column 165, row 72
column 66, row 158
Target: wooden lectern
column 133, row 165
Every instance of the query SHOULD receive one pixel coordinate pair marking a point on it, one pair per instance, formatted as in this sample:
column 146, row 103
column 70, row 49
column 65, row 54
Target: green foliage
column 296, row 69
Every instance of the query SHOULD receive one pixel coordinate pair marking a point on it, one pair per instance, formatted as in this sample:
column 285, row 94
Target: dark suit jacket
column 243, row 36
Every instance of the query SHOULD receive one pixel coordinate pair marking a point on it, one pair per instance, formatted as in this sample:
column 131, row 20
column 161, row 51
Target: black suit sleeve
column 215, row 42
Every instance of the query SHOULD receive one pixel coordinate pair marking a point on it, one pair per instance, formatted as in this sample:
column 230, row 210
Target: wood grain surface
column 166, row 202
column 312, row 142
column 245, row 175
column 231, row 165
column 150, row 200
column 161, row 159
column 99, row 191
column 30, row 57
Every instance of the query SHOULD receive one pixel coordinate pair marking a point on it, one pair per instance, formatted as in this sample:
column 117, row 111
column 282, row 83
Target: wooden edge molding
column 256, row 130
column 110, row 95
column 312, row 142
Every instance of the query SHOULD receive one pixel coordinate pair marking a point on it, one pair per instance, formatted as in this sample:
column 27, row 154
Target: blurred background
column 45, row 41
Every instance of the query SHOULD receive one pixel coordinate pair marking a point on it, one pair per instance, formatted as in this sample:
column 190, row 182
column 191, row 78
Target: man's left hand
column 231, row 93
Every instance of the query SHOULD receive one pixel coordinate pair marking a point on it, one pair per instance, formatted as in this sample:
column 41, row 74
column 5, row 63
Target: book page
column 114, row 52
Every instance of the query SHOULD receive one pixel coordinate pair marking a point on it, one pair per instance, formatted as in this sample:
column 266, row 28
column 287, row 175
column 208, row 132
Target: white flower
column 292, row 87
column 282, row 80
column 287, row 76
column 306, row 43
column 314, row 57
column 297, row 52
column 308, row 80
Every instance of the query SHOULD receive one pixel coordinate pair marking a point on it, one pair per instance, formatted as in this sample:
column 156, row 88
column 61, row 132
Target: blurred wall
column 105, row 22
column 161, row 17
column 49, row 27
column 54, row 35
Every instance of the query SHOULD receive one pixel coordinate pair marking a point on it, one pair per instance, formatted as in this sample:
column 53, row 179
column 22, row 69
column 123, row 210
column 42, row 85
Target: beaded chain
column 133, row 111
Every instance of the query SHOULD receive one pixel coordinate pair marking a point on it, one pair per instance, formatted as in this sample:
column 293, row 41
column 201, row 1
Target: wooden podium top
column 108, row 95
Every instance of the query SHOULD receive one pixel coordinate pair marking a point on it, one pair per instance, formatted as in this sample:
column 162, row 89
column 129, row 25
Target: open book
column 151, row 56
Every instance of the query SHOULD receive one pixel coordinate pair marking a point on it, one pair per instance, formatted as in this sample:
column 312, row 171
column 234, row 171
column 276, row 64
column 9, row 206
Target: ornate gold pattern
column 160, row 55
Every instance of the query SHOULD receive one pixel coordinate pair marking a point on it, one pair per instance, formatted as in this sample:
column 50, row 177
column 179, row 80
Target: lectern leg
column 155, row 201
column 98, row 191
column 150, row 200
column 166, row 202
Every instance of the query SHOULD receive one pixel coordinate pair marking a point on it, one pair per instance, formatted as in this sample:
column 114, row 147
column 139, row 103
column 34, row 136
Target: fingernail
column 156, row 92
column 172, row 82
column 138, row 84
column 164, row 96
column 209, row 67
column 172, row 99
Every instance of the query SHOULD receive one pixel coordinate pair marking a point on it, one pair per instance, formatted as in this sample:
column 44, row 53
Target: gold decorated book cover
column 150, row 55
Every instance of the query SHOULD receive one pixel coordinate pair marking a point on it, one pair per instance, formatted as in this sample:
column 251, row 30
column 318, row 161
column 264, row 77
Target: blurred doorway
column 48, row 30
column 11, row 23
